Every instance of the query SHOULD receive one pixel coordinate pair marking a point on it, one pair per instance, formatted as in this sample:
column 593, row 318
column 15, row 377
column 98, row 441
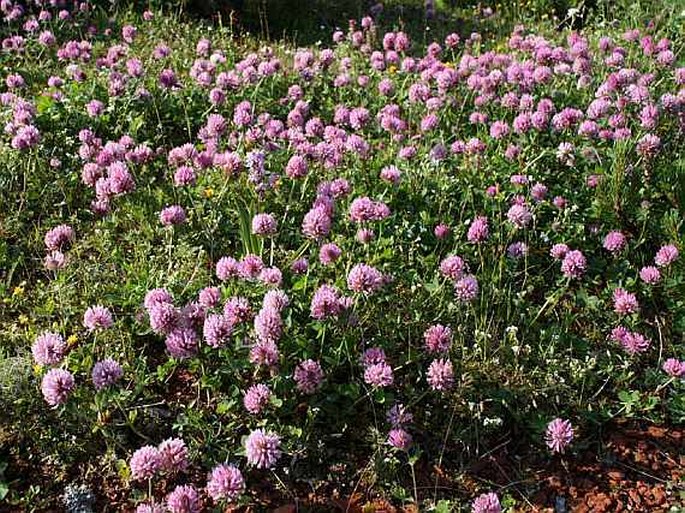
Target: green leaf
column 43, row 103
column 224, row 407
column 443, row 506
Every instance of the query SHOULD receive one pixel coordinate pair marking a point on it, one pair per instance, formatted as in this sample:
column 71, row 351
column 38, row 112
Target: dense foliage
column 229, row 266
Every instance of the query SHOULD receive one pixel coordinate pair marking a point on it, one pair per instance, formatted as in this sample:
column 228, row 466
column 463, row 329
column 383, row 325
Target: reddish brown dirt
column 634, row 468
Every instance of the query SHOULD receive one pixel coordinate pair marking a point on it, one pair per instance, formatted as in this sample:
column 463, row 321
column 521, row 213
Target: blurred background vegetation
column 308, row 21
column 305, row 22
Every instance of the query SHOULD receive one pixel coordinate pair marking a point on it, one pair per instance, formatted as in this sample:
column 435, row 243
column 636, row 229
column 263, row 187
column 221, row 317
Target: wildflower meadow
column 394, row 269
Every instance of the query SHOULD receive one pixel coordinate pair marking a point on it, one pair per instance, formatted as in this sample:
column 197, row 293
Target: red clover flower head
column 308, row 376
column 262, row 448
column 225, row 482
column 440, row 375
column 256, row 398
column 558, row 435
column 48, row 348
column 486, row 503
column 57, row 385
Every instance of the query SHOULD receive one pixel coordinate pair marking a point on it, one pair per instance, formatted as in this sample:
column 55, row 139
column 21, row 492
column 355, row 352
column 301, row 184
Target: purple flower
column 517, row 250
column 631, row 342
column 365, row 235
column 558, row 251
column 128, row 32
column 379, row 375
column 574, row 264
column 452, row 267
column 325, row 303
column 499, row 129
column 209, row 297
column 250, row 266
column 648, row 145
column 329, row 253
column 145, row 462
column 237, row 310
column 27, row 136
column 94, row 108
column 316, row 223
column 268, row 325
column 163, row 317
column 192, row 315
column 184, row 499
column 372, row 356
column 438, row 338
column 271, row 276
column 624, row 302
column 276, row 299
column 59, row 237
column 119, row 179
column 48, row 348
column 560, row 202
column 558, row 435
column 466, row 288
column 615, row 242
column 172, row 215
column 308, row 376
column 635, row 343
column 105, row 373
column 364, row 278
column 56, row 386
column 256, row 398
column 538, row 191
column 398, row 416
column 226, row 268
column 440, row 375
column 167, row 78
column 399, row 439
column 226, row 482
column 264, row 224
column 184, row 175
column 155, row 296
column 55, row 260
column 479, row 230
column 182, row 343
column 666, row 255
column 299, row 266
column 650, row 275
column 390, row 174
column 296, row 167
column 519, row 216
column 173, row 455
column 675, row 368
column 365, row 209
column 486, row 503
column 441, row 231
column 217, row 330
column 264, row 353
column 262, row 448
column 97, row 317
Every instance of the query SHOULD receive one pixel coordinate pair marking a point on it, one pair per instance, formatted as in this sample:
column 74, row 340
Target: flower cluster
column 317, row 232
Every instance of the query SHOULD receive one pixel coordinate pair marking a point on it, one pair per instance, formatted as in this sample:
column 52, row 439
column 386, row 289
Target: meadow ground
column 383, row 264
